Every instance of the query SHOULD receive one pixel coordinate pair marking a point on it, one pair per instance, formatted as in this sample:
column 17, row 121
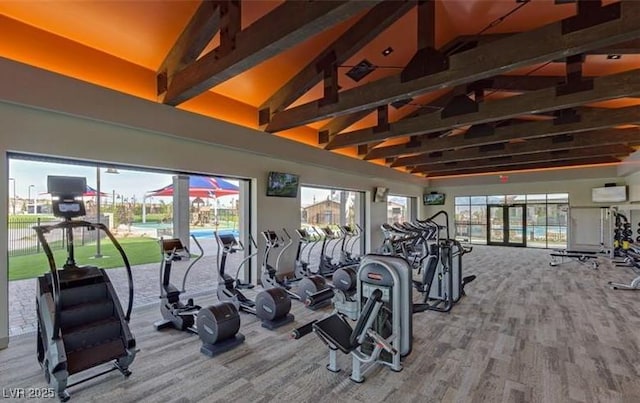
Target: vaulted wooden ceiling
column 434, row 88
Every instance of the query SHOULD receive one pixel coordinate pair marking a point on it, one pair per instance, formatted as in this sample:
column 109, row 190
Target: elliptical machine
column 216, row 325
column 350, row 234
column 271, row 306
column 307, row 284
column 326, row 266
column 81, row 323
column 306, row 243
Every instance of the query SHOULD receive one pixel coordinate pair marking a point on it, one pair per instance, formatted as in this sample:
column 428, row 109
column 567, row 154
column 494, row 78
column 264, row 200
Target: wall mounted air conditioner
column 609, row 194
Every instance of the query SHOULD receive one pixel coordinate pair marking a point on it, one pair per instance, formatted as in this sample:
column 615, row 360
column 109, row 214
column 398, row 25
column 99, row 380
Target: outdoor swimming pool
column 207, row 233
column 200, row 233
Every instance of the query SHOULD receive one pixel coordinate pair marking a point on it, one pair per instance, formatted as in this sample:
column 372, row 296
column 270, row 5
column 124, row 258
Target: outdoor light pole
column 29, row 198
column 13, row 207
column 98, row 254
column 98, row 251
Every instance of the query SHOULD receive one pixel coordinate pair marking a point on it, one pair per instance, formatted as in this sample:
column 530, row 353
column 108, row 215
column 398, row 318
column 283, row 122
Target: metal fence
column 23, row 239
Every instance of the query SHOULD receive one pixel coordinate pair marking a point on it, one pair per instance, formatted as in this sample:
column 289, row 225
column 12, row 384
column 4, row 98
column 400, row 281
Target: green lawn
column 138, row 250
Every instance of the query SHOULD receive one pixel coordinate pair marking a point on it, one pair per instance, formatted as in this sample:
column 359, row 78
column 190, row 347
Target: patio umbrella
column 200, row 186
column 90, row 192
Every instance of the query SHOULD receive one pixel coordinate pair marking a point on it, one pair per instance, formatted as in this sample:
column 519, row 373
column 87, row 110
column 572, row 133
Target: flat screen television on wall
column 433, row 199
column 281, row 184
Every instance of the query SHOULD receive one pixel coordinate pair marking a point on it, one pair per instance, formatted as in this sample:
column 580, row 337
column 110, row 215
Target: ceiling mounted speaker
column 400, row 103
column 480, row 130
column 360, row 70
column 459, row 105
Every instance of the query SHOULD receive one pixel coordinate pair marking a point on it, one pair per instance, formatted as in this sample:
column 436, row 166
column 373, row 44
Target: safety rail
column 41, row 230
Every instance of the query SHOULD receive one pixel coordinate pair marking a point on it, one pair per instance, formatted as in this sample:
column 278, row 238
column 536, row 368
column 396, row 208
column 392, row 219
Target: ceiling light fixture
column 614, row 57
column 387, row 51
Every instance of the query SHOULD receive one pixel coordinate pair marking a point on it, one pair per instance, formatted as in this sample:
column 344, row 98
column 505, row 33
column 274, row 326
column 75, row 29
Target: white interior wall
column 47, row 114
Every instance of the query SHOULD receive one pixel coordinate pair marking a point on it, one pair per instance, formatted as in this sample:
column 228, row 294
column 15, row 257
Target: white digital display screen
column 69, row 207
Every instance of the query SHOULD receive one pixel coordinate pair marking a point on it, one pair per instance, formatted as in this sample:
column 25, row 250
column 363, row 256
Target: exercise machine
column 341, row 293
column 633, row 254
column 633, row 286
column 326, row 266
column 442, row 284
column 81, row 324
column 271, row 306
column 351, row 235
column 217, row 325
column 383, row 333
column 307, row 284
column 562, row 256
column 268, row 272
column 306, row 243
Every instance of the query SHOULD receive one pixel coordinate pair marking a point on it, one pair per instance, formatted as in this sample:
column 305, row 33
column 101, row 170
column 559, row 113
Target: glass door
column 495, row 224
column 506, row 225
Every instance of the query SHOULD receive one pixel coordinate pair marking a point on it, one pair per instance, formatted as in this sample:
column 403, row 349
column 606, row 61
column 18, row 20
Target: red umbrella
column 91, row 192
column 200, row 186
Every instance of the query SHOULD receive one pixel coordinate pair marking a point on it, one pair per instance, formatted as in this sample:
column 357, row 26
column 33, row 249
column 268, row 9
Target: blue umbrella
column 202, row 186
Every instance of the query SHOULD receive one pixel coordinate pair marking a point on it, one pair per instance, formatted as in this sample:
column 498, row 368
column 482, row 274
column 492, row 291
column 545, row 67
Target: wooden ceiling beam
column 463, row 42
column 519, row 50
column 531, row 166
column 631, row 47
column 590, row 119
column 617, row 150
column 521, row 83
column 355, row 38
column 200, row 30
column 544, row 100
column 335, row 126
column 555, row 143
column 502, row 83
column 287, row 25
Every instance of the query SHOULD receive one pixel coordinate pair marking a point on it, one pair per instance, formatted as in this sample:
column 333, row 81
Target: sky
column 127, row 183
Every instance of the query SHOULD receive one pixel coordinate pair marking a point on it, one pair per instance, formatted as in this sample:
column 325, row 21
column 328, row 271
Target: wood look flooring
column 526, row 332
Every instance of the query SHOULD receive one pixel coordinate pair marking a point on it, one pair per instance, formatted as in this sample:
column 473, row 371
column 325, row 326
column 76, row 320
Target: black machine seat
column 335, row 331
column 579, row 256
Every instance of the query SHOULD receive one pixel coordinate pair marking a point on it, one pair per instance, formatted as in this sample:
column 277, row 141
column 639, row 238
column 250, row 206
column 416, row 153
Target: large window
column 462, row 218
column 399, row 209
column 546, row 217
column 332, row 208
column 138, row 208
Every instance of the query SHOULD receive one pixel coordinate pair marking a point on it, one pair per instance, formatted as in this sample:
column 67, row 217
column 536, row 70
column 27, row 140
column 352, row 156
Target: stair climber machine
column 216, row 325
column 81, row 324
column 383, row 333
column 307, row 284
column 271, row 305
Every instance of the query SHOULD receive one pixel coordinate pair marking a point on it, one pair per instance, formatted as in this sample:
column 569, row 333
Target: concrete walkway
column 203, row 278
